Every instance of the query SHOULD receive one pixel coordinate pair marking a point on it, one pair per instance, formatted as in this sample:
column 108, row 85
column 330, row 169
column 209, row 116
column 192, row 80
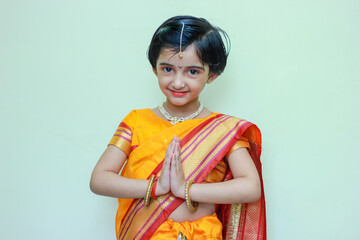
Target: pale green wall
column 71, row 70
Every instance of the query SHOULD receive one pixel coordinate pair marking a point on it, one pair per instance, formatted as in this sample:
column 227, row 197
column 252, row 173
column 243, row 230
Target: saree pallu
column 204, row 143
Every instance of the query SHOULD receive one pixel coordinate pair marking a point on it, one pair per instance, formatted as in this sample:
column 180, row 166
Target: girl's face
column 182, row 79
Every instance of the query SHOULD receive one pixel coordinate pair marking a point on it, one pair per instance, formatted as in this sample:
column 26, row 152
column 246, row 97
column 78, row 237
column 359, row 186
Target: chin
column 176, row 103
column 180, row 101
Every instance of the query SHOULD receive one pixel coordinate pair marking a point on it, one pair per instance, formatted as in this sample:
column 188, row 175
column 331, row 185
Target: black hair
column 207, row 39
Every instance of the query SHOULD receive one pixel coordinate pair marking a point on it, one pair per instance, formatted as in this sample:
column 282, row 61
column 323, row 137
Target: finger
column 176, row 139
column 173, row 140
column 173, row 160
column 178, row 158
column 167, row 160
column 179, row 166
column 170, row 148
column 174, row 165
column 167, row 154
column 174, row 146
column 166, row 163
column 179, row 149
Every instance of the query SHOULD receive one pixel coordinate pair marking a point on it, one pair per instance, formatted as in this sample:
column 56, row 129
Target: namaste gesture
column 172, row 175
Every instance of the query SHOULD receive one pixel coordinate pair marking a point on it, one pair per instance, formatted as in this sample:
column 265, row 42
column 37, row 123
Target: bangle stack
column 191, row 205
column 148, row 191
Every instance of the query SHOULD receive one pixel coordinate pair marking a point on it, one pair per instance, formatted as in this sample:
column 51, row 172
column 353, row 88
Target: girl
column 188, row 172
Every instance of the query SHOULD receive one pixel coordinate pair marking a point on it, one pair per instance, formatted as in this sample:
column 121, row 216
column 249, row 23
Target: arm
column 245, row 187
column 105, row 178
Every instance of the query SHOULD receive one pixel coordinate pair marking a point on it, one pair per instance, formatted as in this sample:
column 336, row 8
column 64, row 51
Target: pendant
column 176, row 120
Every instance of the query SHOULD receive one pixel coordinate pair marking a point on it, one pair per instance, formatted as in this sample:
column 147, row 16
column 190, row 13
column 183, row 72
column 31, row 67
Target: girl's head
column 207, row 40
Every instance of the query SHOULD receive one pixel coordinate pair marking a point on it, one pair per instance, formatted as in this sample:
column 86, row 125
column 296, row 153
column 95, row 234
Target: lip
column 178, row 93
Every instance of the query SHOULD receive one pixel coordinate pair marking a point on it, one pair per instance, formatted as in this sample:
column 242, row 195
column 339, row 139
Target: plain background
column 70, row 71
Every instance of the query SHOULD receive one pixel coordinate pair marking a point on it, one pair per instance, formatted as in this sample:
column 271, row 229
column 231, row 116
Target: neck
column 183, row 110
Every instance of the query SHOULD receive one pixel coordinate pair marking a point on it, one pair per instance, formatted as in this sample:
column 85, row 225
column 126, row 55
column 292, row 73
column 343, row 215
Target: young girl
column 188, row 172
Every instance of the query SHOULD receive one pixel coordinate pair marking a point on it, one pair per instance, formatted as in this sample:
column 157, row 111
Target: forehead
column 190, row 56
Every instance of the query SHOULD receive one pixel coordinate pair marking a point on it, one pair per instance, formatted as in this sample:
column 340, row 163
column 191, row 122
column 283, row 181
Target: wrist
column 180, row 193
column 159, row 191
column 192, row 206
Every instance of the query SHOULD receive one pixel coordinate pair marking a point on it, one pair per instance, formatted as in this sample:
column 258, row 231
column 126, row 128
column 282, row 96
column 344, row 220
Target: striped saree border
column 122, row 138
column 234, row 219
column 210, row 158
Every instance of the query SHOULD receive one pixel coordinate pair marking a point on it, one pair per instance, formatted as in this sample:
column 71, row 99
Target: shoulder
column 231, row 120
column 139, row 117
column 145, row 114
column 139, row 111
column 131, row 118
column 235, row 119
column 244, row 127
column 136, row 113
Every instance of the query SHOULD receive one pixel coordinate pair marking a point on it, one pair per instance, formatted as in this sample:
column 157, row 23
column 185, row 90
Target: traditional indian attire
column 144, row 137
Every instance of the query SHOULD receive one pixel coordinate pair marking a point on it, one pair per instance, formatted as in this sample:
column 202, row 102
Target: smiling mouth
column 178, row 94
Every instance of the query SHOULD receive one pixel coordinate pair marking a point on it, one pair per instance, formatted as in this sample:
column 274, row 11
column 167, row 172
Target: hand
column 177, row 179
column 163, row 185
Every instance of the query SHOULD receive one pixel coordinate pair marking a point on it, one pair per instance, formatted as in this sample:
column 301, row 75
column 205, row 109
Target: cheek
column 200, row 85
column 165, row 78
column 163, row 82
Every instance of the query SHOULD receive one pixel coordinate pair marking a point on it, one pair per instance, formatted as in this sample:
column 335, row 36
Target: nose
column 177, row 82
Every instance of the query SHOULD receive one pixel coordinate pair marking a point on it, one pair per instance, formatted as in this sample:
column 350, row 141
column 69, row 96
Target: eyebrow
column 191, row 66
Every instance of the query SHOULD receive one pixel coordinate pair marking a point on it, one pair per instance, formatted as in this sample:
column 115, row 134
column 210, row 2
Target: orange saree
column 144, row 137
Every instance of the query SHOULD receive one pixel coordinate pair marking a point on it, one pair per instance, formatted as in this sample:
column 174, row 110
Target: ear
column 211, row 78
column 154, row 70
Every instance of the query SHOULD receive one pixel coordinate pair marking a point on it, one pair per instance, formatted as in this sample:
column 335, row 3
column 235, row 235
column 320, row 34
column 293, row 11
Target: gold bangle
column 148, row 191
column 191, row 205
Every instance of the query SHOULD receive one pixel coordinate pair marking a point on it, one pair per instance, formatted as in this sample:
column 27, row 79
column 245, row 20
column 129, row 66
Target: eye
column 193, row 72
column 167, row 69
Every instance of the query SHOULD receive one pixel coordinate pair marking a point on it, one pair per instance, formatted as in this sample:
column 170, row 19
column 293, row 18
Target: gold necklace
column 175, row 120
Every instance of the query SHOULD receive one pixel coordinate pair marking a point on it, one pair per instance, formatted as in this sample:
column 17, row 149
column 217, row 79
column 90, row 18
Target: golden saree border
column 197, row 160
column 122, row 138
column 234, row 220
